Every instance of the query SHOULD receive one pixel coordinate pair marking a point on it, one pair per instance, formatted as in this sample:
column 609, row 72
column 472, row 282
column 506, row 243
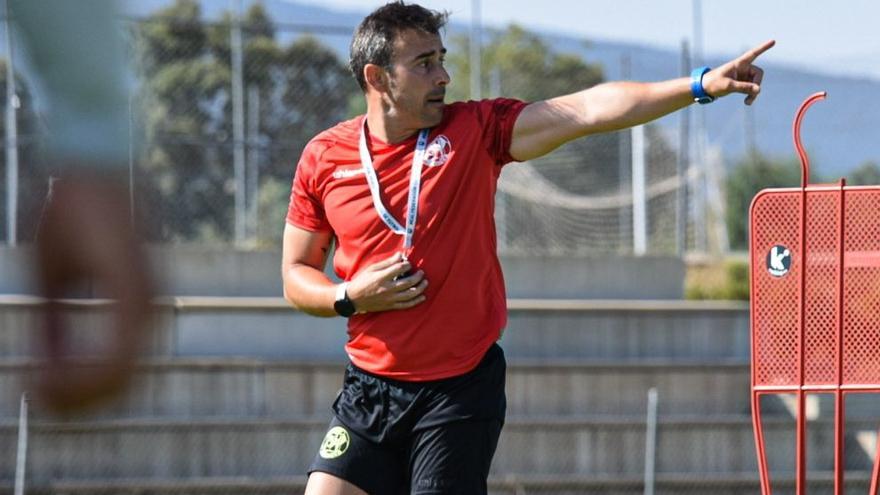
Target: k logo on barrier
column 779, row 261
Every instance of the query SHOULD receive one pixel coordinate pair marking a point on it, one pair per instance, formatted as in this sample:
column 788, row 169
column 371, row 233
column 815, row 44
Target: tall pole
column 476, row 44
column 624, row 161
column 253, row 160
column 683, row 163
column 238, row 151
column 651, row 442
column 750, row 132
column 131, row 157
column 700, row 202
column 21, row 455
column 12, row 104
column 639, row 193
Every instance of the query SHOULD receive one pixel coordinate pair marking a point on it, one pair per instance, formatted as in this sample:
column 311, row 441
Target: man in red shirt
column 407, row 192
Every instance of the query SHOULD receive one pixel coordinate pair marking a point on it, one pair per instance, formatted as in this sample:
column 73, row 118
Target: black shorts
column 395, row 437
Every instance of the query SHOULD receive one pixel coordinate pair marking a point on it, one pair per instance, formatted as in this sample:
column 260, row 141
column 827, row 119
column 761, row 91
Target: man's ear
column 376, row 77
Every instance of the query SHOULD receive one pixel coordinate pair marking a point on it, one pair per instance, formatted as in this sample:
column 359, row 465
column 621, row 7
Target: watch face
column 344, row 307
column 705, row 99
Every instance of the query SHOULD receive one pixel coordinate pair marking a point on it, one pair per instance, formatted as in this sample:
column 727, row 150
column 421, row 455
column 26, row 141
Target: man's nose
column 443, row 78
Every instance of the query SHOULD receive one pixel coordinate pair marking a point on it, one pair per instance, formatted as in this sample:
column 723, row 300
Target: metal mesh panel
column 861, row 339
column 820, row 310
column 775, row 222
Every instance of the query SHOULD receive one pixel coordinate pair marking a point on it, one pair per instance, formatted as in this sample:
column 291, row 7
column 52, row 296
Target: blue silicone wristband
column 700, row 95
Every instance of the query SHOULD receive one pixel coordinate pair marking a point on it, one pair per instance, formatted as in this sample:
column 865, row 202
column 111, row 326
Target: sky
column 834, row 38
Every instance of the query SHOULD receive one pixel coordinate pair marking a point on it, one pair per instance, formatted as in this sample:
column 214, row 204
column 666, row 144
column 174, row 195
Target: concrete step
column 611, row 446
column 205, row 387
column 201, row 271
column 685, row 330
column 508, row 485
column 698, row 445
column 267, row 327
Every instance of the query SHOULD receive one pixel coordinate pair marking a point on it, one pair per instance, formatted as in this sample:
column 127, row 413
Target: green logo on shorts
column 335, row 443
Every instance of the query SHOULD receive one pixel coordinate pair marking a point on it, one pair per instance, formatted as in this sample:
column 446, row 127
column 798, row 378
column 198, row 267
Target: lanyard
column 415, row 186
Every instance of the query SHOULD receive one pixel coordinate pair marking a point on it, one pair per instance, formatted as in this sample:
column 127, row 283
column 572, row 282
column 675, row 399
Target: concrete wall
column 190, row 271
column 147, row 448
column 537, row 329
column 207, row 388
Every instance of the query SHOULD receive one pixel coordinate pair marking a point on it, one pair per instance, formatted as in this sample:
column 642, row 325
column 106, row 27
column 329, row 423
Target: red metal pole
column 801, row 451
column 875, row 476
column 759, row 443
column 805, row 160
column 757, row 425
column 839, row 396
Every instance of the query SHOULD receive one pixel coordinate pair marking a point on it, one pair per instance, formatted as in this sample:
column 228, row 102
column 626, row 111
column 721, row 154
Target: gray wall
column 214, row 272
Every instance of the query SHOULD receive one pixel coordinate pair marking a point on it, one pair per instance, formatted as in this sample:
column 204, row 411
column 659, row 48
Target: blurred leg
column 86, row 235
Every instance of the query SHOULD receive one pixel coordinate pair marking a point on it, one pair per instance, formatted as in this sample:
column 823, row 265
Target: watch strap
column 341, row 291
column 343, row 305
column 699, row 93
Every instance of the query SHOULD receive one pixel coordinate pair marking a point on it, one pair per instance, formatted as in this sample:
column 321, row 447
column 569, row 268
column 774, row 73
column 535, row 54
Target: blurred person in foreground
column 407, row 193
column 77, row 54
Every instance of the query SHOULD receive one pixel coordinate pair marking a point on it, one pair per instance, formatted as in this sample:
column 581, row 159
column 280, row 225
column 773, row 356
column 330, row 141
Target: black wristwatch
column 344, row 306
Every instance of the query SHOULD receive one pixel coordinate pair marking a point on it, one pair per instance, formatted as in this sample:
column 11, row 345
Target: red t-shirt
column 454, row 241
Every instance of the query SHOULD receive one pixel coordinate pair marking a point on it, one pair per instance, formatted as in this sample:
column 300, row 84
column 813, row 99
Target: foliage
column 517, row 63
column 725, row 280
column 867, row 174
column 749, row 176
column 295, row 90
column 757, row 172
column 272, row 207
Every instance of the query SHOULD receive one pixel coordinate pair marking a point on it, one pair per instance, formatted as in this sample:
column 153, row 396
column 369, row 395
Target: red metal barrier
column 815, row 303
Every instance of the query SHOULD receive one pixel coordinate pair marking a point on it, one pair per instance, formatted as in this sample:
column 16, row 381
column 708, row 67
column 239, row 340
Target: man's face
column 417, row 80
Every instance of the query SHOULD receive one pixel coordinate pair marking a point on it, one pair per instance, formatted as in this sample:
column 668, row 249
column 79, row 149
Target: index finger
column 396, row 269
column 758, row 50
column 387, row 262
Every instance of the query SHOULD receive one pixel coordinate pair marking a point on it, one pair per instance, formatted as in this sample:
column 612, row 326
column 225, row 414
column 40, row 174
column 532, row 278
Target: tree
column 182, row 87
column 749, row 176
column 299, row 90
column 867, row 174
column 519, row 64
column 523, row 65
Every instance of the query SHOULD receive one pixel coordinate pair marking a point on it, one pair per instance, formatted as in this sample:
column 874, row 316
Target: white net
column 579, row 199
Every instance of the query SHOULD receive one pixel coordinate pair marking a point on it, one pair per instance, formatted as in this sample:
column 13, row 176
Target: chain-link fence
column 222, row 108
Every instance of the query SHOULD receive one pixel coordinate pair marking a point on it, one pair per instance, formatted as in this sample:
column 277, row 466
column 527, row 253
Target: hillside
column 838, row 133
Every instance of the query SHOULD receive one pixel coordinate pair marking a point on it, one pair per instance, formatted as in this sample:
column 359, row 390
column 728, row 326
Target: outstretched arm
column 544, row 126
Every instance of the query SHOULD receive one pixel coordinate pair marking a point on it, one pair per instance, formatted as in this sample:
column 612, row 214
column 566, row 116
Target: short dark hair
column 373, row 40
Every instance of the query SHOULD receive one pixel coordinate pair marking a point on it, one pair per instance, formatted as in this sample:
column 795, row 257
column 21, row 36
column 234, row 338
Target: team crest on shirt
column 437, row 152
